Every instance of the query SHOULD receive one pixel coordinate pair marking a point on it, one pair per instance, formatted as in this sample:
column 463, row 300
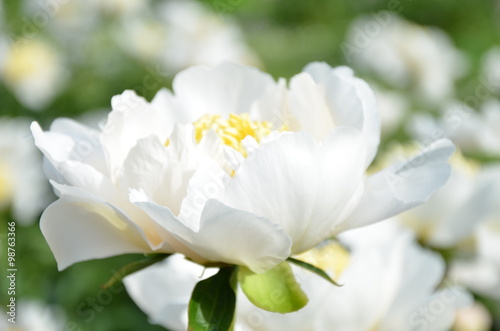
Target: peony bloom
column 178, row 34
column 401, row 292
column 451, row 215
column 196, row 35
column 405, row 55
column 232, row 167
column 481, row 272
column 394, row 107
column 23, row 188
column 33, row 70
column 475, row 132
column 33, row 316
column 490, row 69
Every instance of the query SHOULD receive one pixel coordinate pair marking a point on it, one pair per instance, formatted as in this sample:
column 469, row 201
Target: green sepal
column 314, row 269
column 133, row 267
column 276, row 290
column 213, row 302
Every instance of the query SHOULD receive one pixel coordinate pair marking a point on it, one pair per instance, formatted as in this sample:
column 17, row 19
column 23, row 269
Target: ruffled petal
column 132, row 118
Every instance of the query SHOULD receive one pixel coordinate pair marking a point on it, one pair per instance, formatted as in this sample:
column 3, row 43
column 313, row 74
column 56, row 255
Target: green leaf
column 213, row 302
column 133, row 267
column 276, row 290
column 314, row 269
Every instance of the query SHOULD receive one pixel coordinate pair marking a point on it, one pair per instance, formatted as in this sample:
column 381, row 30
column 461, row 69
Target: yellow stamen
column 232, row 130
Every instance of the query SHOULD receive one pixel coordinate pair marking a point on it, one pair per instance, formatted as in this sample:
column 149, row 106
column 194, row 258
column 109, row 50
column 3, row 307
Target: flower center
column 232, row 130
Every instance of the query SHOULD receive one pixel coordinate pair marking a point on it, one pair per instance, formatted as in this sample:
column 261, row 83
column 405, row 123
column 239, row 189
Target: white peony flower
column 473, row 318
column 481, row 273
column 231, row 167
column 404, row 54
column 394, row 107
column 400, row 291
column 490, row 69
column 195, row 35
column 22, row 184
column 452, row 214
column 33, row 70
column 33, row 316
column 473, row 131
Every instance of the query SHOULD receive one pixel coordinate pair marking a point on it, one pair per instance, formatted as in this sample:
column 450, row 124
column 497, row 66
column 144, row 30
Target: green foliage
column 213, row 302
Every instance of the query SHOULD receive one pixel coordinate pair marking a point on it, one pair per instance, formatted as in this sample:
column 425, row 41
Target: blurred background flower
column 435, row 68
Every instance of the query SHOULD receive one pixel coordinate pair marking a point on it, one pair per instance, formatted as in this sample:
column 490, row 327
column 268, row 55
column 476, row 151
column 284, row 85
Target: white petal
column 81, row 227
column 353, row 103
column 322, row 97
column 66, row 163
column 414, row 286
column 88, row 148
column 319, row 71
column 228, row 235
column 225, row 89
column 163, row 290
column 150, row 167
column 299, row 184
column 69, row 140
column 165, row 102
column 132, row 118
column 403, row 186
column 308, row 104
column 439, row 311
column 208, row 182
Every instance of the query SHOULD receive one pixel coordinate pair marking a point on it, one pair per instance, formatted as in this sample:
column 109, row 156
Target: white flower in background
column 394, row 106
column 33, row 70
column 196, row 35
column 69, row 14
column 33, row 316
column 182, row 33
column 120, row 7
column 478, row 133
column 22, row 184
column 474, row 132
column 490, row 67
column 473, row 318
column 481, row 273
column 146, row 38
column 216, row 171
column 404, row 54
column 451, row 215
column 389, row 283
column 175, row 34
column 175, row 278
